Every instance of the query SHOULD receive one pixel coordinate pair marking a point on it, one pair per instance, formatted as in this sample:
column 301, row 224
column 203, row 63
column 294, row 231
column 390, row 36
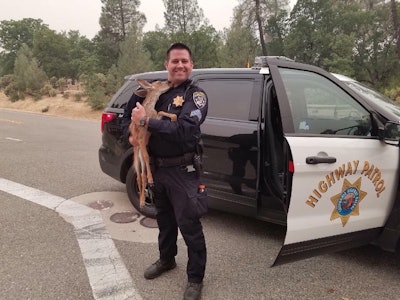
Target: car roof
column 163, row 74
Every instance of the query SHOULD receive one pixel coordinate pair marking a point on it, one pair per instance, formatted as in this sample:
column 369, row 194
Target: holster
column 197, row 164
column 197, row 159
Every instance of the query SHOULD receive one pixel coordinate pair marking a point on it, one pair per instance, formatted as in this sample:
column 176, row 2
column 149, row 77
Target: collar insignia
column 178, row 101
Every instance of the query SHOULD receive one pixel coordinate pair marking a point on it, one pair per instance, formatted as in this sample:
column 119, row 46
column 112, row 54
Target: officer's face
column 179, row 66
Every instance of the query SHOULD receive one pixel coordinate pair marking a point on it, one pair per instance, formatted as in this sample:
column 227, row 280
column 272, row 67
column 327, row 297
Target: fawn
column 151, row 92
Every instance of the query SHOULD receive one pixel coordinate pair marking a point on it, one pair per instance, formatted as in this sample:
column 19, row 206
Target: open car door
column 344, row 178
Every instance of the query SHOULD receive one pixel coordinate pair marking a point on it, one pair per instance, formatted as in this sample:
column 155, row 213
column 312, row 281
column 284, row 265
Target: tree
column 203, row 43
column 106, row 53
column 312, row 31
column 184, row 23
column 258, row 12
column 51, row 50
column 260, row 27
column 240, row 46
column 133, row 59
column 183, row 16
column 80, row 52
column 374, row 50
column 277, row 31
column 117, row 18
column 28, row 77
column 350, row 37
column 59, row 54
column 156, row 44
column 396, row 26
column 13, row 34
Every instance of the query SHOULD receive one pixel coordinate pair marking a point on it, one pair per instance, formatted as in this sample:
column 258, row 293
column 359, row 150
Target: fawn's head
column 155, row 88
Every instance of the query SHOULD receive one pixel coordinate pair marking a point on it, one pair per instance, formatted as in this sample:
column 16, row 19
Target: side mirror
column 391, row 133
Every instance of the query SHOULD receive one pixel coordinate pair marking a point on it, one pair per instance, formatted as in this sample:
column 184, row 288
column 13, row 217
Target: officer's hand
column 137, row 113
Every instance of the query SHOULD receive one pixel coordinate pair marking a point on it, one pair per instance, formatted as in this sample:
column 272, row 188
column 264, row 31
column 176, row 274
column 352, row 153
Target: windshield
column 374, row 96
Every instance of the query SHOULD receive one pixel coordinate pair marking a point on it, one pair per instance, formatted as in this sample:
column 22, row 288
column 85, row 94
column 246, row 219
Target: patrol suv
column 291, row 144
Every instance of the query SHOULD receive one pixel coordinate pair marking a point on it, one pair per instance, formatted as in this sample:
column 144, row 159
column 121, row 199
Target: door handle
column 313, row 160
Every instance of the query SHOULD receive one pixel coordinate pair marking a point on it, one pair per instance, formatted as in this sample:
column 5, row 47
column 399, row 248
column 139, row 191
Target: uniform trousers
column 180, row 205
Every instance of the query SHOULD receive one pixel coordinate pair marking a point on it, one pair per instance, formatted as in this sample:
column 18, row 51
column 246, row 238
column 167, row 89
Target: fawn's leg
column 136, row 165
column 143, row 179
column 168, row 115
column 142, row 197
column 146, row 160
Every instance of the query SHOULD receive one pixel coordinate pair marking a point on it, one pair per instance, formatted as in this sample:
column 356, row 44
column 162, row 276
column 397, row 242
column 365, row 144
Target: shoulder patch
column 196, row 113
column 200, row 99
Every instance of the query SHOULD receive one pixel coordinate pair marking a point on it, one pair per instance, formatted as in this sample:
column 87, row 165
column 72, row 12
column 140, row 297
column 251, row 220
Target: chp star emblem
column 347, row 201
column 178, row 101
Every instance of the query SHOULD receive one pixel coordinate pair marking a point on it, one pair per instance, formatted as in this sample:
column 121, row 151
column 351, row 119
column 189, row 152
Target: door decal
column 369, row 170
column 347, row 202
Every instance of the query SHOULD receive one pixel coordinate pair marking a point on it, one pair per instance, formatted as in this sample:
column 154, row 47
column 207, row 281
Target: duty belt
column 165, row 162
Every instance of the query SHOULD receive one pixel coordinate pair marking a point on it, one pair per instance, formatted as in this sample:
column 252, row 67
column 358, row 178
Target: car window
column 319, row 106
column 374, row 96
column 121, row 98
column 228, row 98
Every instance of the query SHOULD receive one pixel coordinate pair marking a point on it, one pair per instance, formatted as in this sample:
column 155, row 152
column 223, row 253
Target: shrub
column 36, row 95
column 48, row 90
column 66, row 95
column 393, row 93
column 61, row 84
column 95, row 87
column 53, row 82
column 78, row 97
column 6, row 80
column 12, row 92
column 53, row 92
column 97, row 98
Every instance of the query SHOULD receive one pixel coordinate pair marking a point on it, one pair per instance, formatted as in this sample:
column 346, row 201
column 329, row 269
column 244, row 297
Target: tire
column 148, row 210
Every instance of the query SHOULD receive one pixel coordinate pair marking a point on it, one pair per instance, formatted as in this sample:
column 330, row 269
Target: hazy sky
column 83, row 15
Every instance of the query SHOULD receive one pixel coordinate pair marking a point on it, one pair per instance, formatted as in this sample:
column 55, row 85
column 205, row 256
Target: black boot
column 193, row 291
column 158, row 268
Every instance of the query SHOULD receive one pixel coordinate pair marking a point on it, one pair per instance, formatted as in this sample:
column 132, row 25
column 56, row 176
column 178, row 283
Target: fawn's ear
column 143, row 83
column 145, row 86
column 141, row 93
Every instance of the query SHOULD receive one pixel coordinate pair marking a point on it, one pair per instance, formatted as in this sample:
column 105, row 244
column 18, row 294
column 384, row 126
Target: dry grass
column 57, row 106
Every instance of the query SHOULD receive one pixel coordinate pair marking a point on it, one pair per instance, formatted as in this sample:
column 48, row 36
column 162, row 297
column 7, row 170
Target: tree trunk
column 260, row 28
column 396, row 26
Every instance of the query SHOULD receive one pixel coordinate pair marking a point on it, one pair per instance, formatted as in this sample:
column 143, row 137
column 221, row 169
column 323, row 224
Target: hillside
column 57, row 106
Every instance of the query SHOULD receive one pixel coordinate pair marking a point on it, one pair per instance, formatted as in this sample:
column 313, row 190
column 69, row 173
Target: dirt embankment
column 58, row 106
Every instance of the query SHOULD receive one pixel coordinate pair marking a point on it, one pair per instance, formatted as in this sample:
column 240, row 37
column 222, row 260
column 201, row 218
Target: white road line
column 107, row 273
column 13, row 139
column 10, row 121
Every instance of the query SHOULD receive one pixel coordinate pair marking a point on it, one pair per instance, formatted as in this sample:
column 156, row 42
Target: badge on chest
column 178, row 101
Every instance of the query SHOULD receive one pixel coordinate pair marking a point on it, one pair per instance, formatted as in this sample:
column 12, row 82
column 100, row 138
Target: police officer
column 179, row 196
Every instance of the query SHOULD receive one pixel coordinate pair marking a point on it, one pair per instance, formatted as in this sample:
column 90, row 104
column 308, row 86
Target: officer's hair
column 180, row 46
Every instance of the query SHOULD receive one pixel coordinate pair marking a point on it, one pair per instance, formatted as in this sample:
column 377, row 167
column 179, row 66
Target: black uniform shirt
column 190, row 104
column 168, row 138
